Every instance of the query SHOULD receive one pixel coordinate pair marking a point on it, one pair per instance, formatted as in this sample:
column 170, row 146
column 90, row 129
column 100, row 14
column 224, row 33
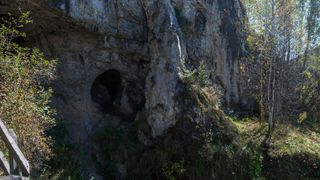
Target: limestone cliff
column 119, row 59
column 149, row 43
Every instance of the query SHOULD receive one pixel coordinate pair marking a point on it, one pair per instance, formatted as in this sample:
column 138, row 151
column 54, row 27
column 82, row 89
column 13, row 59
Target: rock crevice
column 129, row 57
column 149, row 42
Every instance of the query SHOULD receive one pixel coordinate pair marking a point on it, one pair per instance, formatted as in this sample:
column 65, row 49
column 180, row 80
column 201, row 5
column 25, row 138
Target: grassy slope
column 294, row 151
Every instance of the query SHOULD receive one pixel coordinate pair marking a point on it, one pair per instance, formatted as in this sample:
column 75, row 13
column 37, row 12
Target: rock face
column 120, row 58
column 149, row 43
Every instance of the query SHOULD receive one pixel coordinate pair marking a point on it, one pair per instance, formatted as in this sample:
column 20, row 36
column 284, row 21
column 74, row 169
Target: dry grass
column 289, row 140
column 286, row 140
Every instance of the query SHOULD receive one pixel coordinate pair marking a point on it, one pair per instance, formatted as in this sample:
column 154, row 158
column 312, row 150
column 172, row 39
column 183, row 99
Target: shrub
column 197, row 76
column 174, row 170
column 24, row 94
column 255, row 165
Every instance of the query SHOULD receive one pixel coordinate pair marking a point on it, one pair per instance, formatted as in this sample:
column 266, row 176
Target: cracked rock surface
column 148, row 42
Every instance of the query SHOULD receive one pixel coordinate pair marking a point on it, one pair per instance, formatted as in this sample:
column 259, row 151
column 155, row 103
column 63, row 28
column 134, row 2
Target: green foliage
column 200, row 90
column 63, row 164
column 294, row 152
column 115, row 145
column 113, row 138
column 309, row 94
column 255, row 165
column 173, row 170
column 199, row 76
column 24, row 94
column 302, row 117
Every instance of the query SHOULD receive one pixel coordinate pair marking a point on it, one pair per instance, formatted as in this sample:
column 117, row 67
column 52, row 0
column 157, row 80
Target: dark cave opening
column 106, row 89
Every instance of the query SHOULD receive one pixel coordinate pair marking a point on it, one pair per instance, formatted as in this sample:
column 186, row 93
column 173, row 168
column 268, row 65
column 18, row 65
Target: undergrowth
column 293, row 152
column 117, row 147
column 63, row 165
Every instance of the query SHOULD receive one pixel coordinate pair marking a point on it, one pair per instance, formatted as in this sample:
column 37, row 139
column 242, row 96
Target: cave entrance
column 106, row 89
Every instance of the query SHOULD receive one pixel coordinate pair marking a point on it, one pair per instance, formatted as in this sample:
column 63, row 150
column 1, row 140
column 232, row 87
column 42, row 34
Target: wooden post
column 13, row 147
column 4, row 164
column 14, row 170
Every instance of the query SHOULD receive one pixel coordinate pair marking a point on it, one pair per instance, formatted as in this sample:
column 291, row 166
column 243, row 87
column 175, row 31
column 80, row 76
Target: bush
column 173, row 170
column 24, row 94
column 197, row 76
column 255, row 165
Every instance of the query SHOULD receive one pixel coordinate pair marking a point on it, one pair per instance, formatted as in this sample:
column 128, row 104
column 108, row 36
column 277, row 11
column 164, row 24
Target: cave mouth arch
column 106, row 89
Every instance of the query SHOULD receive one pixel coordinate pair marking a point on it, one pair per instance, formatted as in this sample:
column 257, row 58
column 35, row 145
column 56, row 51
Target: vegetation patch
column 24, row 92
column 294, row 152
column 290, row 140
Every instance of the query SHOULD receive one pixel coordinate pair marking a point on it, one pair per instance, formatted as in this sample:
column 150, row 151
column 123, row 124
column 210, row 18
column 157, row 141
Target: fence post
column 14, row 170
column 4, row 164
column 14, row 150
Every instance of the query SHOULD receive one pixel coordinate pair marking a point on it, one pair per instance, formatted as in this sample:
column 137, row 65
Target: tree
column 285, row 31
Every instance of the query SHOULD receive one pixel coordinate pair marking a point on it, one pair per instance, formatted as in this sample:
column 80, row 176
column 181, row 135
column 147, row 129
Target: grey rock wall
column 171, row 35
column 149, row 42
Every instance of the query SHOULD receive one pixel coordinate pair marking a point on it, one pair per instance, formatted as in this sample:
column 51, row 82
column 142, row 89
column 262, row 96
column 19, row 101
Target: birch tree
column 287, row 30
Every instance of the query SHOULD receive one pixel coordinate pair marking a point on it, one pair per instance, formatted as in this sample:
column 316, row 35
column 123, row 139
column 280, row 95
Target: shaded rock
column 149, row 43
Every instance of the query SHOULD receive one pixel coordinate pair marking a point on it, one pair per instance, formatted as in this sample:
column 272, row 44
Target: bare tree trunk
column 262, row 109
column 288, row 47
column 270, row 117
column 271, row 82
column 306, row 53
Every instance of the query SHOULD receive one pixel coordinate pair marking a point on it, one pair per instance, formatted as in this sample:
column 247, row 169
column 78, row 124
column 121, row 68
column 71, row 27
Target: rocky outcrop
column 148, row 42
column 167, row 36
column 137, row 51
